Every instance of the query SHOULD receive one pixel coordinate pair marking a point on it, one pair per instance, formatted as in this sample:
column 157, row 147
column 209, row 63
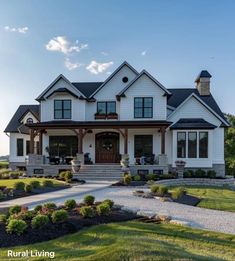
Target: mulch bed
column 188, row 200
column 52, row 231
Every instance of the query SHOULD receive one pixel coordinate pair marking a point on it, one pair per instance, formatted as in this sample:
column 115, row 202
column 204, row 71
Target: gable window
column 143, row 107
column 143, row 145
column 192, row 144
column 106, row 107
column 181, row 144
column 20, row 147
column 62, row 109
column 29, row 120
column 203, row 144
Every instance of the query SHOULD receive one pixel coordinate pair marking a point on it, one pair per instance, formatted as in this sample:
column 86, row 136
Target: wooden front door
column 107, row 147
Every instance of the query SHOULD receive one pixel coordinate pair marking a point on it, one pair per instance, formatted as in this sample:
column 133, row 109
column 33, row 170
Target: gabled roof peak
column 203, row 74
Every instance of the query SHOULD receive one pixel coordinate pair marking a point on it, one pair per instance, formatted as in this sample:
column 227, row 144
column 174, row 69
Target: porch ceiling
column 98, row 124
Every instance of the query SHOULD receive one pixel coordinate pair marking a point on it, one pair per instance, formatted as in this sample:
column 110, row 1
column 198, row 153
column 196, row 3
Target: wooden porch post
column 126, row 141
column 163, row 130
column 31, row 141
column 40, row 142
column 80, row 141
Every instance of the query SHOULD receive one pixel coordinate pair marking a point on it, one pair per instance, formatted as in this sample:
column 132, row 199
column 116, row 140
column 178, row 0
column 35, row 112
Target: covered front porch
column 101, row 142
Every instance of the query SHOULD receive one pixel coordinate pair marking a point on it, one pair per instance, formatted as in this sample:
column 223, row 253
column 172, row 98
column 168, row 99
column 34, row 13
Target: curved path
column 196, row 217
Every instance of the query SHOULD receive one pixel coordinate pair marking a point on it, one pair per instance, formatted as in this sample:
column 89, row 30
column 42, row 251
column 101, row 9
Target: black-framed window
column 20, row 147
column 63, row 146
column 143, row 107
column 106, row 107
column 192, row 144
column 203, row 144
column 143, row 145
column 29, row 120
column 62, row 109
column 27, row 147
column 181, row 144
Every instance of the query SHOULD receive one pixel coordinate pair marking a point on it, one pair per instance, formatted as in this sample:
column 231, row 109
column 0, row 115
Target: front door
column 107, row 147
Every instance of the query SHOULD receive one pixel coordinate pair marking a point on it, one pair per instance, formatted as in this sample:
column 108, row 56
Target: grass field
column 10, row 182
column 135, row 241
column 214, row 197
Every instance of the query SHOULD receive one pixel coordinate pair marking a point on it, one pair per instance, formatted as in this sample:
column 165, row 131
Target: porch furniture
column 68, row 160
column 54, row 160
column 87, row 159
column 145, row 160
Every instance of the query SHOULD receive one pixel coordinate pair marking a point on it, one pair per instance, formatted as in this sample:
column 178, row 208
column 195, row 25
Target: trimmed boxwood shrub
column 200, row 173
column 14, row 209
column 37, row 208
column 39, row 221
column 127, row 179
column 189, row 173
column 211, row 174
column 59, row 216
column 154, row 188
column 109, row 202
column 47, row 183
column 35, row 184
column 14, row 175
column 16, row 226
column 70, row 204
column 137, row 178
column 163, row 190
column 3, row 218
column 151, row 176
column 89, row 200
column 178, row 193
column 103, row 209
column 19, row 185
column 50, row 205
column 23, row 215
column 66, row 175
column 28, row 188
column 87, row 212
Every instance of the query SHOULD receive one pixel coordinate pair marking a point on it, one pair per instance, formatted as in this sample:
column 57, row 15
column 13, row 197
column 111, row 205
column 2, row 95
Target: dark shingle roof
column 192, row 123
column 179, row 95
column 87, row 88
column 203, row 74
column 15, row 124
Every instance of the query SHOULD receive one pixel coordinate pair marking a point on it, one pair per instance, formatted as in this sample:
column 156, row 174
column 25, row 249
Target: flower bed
column 21, row 226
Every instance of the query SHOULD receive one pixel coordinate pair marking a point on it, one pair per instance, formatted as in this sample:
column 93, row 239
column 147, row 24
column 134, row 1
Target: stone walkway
column 196, row 217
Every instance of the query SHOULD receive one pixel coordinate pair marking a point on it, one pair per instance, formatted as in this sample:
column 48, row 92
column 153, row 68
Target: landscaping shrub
column 103, row 209
column 62, row 175
column 200, row 173
column 39, row 221
column 14, row 175
column 151, row 176
column 189, row 173
column 16, row 226
column 35, row 184
column 59, row 216
column 14, row 209
column 66, row 175
column 87, row 212
column 211, row 174
column 19, row 185
column 50, row 205
column 109, row 202
column 2, row 195
column 23, row 215
column 3, row 218
column 137, row 178
column 168, row 176
column 178, row 193
column 28, row 188
column 47, row 183
column 89, row 200
column 127, row 179
column 70, row 204
column 154, row 188
column 162, row 190
column 37, row 208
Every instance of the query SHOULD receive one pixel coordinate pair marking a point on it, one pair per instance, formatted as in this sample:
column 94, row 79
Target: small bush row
column 159, row 190
column 199, row 173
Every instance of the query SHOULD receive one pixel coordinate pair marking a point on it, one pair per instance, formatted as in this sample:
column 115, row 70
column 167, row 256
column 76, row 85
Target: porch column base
column 163, row 160
column 125, row 163
column 35, row 159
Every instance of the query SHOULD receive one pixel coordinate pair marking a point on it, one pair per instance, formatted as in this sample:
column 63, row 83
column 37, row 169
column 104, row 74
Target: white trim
column 203, row 103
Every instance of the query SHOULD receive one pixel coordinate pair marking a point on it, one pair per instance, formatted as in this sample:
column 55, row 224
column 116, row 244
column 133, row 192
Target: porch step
column 100, row 172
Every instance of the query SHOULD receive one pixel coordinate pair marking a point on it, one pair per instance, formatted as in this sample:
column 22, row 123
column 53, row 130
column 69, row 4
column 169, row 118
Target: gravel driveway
column 196, row 217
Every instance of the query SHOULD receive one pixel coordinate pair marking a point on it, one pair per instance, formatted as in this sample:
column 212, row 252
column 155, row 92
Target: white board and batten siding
column 143, row 87
column 192, row 108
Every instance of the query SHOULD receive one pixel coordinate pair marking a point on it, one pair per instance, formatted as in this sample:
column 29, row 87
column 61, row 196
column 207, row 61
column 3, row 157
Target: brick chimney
column 203, row 83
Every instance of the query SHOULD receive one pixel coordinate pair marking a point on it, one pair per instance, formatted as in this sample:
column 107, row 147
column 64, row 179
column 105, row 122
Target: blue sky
column 171, row 39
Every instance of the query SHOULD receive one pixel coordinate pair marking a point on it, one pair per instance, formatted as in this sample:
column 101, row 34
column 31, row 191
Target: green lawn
column 10, row 182
column 135, row 241
column 214, row 197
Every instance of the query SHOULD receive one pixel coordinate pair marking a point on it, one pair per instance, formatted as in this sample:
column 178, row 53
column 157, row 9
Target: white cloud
column 61, row 44
column 22, row 30
column 96, row 68
column 104, row 53
column 71, row 66
column 144, row 53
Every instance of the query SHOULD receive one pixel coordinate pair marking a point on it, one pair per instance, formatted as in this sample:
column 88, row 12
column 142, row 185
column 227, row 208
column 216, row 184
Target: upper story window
column 62, row 109
column 29, row 120
column 143, row 107
column 106, row 107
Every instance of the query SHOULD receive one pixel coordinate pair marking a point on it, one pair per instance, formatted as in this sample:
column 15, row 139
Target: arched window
column 29, row 120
